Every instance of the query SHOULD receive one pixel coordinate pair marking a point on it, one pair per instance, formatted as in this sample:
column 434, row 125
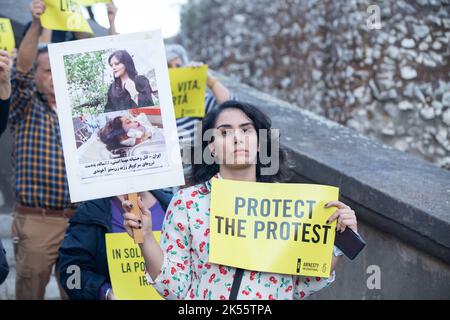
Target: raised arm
column 168, row 263
column 5, row 75
column 112, row 11
column 28, row 47
column 5, row 89
column 220, row 92
column 151, row 251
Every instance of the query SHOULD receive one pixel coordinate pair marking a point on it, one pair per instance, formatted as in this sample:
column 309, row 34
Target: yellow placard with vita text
column 64, row 15
column 92, row 2
column 188, row 86
column 7, row 42
column 272, row 227
column 127, row 268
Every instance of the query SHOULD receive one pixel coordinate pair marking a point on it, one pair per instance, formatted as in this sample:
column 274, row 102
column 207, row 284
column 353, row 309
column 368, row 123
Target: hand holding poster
column 7, row 42
column 64, row 15
column 188, row 90
column 127, row 267
column 278, row 228
column 116, row 115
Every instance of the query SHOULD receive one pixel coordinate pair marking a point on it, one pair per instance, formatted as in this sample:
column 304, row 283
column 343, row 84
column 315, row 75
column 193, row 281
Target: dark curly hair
column 145, row 91
column 112, row 133
column 203, row 172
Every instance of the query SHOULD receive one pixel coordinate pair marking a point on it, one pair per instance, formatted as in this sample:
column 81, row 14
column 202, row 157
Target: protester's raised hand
column 131, row 221
column 5, row 74
column 37, row 8
column 195, row 64
column 112, row 11
column 210, row 79
column 345, row 216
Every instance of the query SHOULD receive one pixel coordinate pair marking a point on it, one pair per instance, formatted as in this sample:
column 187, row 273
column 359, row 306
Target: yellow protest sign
column 188, row 91
column 91, row 2
column 126, row 268
column 64, row 15
column 272, row 227
column 6, row 35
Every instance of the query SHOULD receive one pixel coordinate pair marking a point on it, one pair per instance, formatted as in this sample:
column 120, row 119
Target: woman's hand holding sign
column 131, row 221
column 345, row 216
column 151, row 251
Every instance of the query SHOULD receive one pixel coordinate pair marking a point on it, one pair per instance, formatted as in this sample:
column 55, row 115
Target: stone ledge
column 393, row 191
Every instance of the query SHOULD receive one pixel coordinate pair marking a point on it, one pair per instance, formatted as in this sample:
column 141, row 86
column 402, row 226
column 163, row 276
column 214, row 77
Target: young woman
column 179, row 266
column 122, row 93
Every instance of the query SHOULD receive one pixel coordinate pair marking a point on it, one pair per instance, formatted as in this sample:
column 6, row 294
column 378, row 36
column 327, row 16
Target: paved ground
column 8, row 287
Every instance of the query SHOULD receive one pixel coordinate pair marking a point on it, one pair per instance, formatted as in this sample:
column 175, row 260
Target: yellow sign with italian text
column 92, row 2
column 272, row 227
column 7, row 42
column 64, row 15
column 188, row 90
column 127, row 268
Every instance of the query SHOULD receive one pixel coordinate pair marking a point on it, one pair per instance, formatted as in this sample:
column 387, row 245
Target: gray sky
column 143, row 15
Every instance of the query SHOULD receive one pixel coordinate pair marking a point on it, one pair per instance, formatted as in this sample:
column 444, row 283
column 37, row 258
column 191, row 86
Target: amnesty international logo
column 299, row 265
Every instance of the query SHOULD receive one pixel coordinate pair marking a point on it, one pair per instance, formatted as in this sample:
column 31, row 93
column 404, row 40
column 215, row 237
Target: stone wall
column 401, row 202
column 390, row 83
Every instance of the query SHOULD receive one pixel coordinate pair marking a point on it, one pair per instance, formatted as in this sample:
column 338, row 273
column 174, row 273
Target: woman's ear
column 211, row 149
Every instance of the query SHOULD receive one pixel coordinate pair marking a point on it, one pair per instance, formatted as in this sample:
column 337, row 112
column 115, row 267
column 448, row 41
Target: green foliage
column 88, row 80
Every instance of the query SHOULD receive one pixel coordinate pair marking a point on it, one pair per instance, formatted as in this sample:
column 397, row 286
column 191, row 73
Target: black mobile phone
column 349, row 242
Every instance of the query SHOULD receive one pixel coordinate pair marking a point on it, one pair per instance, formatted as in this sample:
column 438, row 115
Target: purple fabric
column 117, row 226
column 157, row 216
column 117, row 216
column 102, row 291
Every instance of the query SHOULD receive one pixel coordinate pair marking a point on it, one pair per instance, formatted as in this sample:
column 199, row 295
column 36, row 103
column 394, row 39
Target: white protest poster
column 116, row 115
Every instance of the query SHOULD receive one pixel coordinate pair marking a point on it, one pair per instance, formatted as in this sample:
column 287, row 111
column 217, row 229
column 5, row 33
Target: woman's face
column 128, row 123
column 235, row 139
column 118, row 68
column 175, row 63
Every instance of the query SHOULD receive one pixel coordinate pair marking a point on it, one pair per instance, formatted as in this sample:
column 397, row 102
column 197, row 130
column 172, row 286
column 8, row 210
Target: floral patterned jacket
column 186, row 273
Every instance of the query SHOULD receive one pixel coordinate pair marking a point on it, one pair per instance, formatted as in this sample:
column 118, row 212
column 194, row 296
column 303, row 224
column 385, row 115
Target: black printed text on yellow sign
column 64, row 15
column 127, row 268
column 7, row 42
column 188, row 91
column 278, row 228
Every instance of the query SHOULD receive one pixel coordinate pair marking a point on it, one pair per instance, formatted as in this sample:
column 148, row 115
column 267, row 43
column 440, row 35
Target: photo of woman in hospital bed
column 126, row 131
column 119, row 134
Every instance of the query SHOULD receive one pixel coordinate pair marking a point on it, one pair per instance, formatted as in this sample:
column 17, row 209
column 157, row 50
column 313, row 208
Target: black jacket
column 4, row 112
column 84, row 247
column 4, row 268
